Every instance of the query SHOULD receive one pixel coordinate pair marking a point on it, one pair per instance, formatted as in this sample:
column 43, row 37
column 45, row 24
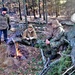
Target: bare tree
column 20, row 10
column 39, row 9
column 43, row 10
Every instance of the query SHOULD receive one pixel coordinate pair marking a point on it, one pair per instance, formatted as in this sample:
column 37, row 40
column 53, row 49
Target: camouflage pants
column 51, row 51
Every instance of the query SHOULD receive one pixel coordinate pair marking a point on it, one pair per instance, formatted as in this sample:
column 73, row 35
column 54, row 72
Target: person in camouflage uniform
column 58, row 39
column 4, row 23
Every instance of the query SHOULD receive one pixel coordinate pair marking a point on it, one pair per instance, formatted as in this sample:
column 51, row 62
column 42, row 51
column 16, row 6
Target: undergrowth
column 62, row 65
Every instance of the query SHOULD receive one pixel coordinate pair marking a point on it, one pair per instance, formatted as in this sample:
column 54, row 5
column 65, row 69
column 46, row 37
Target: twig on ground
column 72, row 72
column 62, row 54
column 45, row 70
column 68, row 69
column 43, row 57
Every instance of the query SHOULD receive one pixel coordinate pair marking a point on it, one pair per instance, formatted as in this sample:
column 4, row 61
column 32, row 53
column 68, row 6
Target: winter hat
column 4, row 9
column 30, row 26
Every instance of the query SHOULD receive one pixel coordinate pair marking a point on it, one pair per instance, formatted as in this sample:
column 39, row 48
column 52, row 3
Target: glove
column 9, row 27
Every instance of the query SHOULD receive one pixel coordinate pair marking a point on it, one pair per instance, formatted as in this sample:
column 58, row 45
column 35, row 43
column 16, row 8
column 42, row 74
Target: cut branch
column 45, row 70
column 72, row 72
column 43, row 57
column 68, row 69
column 62, row 54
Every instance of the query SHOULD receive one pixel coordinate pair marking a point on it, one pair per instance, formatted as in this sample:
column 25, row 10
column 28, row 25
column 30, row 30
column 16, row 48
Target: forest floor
column 32, row 65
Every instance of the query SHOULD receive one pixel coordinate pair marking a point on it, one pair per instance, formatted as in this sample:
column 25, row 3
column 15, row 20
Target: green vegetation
column 68, row 51
column 60, row 67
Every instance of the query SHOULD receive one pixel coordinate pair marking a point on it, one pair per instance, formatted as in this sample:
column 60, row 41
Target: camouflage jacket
column 4, row 21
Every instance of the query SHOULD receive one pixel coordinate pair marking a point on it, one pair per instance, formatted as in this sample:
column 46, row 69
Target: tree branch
column 43, row 57
column 45, row 70
column 62, row 54
column 68, row 69
column 72, row 72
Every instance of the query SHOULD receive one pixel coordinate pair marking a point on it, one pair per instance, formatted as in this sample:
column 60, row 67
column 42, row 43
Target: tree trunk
column 46, row 11
column 43, row 10
column 33, row 9
column 39, row 10
column 20, row 10
column 57, row 7
column 24, row 3
column 3, row 3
